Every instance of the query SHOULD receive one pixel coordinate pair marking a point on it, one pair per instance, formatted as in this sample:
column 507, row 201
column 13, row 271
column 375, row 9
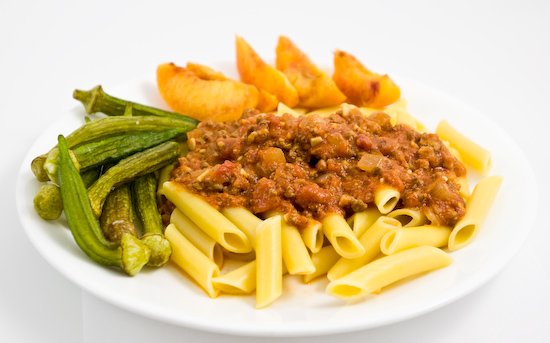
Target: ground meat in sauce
column 307, row 167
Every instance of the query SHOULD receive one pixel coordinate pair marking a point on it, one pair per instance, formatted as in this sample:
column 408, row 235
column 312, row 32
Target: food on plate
column 314, row 86
column 266, row 101
column 47, row 202
column 144, row 198
column 129, row 169
column 188, row 94
column 361, row 86
column 280, row 177
column 96, row 100
column 129, row 255
column 253, row 70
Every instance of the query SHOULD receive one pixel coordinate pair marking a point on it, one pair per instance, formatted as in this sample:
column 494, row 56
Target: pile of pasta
column 365, row 252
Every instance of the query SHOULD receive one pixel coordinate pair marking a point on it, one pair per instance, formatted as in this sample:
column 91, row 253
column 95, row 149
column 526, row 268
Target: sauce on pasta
column 309, row 166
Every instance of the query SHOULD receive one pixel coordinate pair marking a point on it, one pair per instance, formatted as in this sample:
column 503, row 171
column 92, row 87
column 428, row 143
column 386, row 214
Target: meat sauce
column 309, row 166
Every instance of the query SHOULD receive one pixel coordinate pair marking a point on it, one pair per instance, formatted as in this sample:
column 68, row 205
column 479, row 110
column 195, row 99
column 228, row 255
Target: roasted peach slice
column 188, row 94
column 315, row 87
column 362, row 87
column 253, row 70
column 267, row 102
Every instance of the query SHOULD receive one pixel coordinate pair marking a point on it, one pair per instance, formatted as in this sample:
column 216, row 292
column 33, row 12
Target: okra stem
column 96, row 100
column 130, row 255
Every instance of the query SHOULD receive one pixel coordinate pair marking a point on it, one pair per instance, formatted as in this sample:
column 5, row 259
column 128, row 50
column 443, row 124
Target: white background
column 492, row 55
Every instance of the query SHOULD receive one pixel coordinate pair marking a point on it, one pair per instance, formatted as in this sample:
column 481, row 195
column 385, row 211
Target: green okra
column 129, row 169
column 117, row 217
column 47, row 202
column 144, row 191
column 103, row 128
column 130, row 255
column 113, row 149
column 96, row 100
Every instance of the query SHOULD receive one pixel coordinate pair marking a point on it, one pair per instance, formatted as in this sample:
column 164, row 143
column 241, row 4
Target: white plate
column 303, row 310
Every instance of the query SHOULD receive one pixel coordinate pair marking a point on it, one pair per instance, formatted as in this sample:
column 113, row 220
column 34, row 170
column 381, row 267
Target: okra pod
column 130, row 255
column 144, row 191
column 129, row 169
column 96, row 100
column 115, row 148
column 102, row 128
column 117, row 217
column 47, row 202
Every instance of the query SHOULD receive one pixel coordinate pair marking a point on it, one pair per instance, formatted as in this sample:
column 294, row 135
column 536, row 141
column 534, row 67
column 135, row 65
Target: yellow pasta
column 296, row 112
column 269, row 262
column 472, row 154
column 192, row 261
column 477, row 208
column 385, row 198
column 323, row 261
column 464, row 186
column 408, row 217
column 404, row 117
column 210, row 220
column 295, row 255
column 387, row 270
column 410, row 237
column 313, row 236
column 361, row 221
column 238, row 281
column 197, row 237
column 245, row 220
column 370, row 241
column 341, row 237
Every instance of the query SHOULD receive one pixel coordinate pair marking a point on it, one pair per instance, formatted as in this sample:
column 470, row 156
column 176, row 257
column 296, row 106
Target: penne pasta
column 361, row 221
column 387, row 270
column 269, row 262
column 192, row 261
column 404, row 117
column 370, row 241
column 477, row 208
column 464, row 187
column 210, row 220
column 238, row 281
column 471, row 153
column 245, row 220
column 296, row 112
column 295, row 255
column 313, row 236
column 410, row 237
column 408, row 217
column 197, row 237
column 385, row 199
column 341, row 237
column 323, row 261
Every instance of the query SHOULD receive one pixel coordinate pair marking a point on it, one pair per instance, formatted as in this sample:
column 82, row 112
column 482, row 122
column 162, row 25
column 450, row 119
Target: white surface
column 303, row 310
column 492, row 56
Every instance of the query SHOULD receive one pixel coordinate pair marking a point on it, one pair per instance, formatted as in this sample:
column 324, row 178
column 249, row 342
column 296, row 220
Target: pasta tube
column 472, row 154
column 269, row 262
column 370, row 241
column 313, row 236
column 477, row 208
column 387, row 270
column 361, row 221
column 295, row 255
column 341, row 237
column 385, row 198
column 408, row 217
column 245, row 220
column 197, row 237
column 210, row 220
column 239, row 281
column 192, row 261
column 410, row 237
column 323, row 261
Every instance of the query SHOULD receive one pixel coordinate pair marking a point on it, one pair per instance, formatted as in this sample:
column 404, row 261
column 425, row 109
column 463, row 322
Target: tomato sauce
column 309, row 166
